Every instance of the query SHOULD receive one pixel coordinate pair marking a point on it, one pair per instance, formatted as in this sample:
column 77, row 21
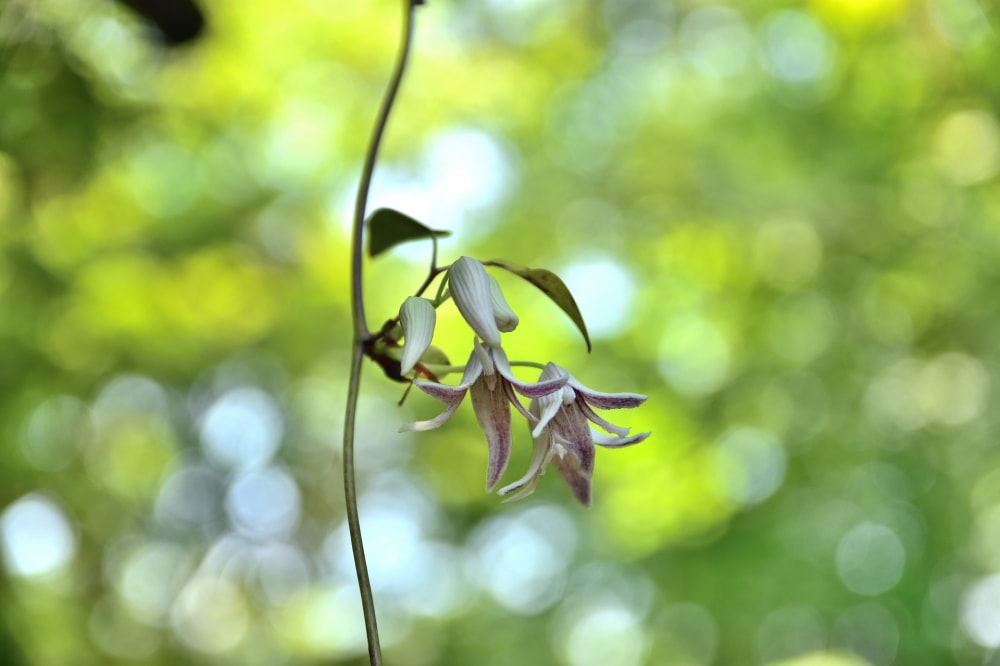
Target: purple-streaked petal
column 578, row 481
column 493, row 413
column 450, row 395
column 417, row 317
column 505, row 318
column 607, row 400
column 446, row 393
column 572, row 431
column 536, row 390
column 587, row 412
column 617, row 442
column 527, row 389
column 470, row 289
column 512, row 398
column 527, row 483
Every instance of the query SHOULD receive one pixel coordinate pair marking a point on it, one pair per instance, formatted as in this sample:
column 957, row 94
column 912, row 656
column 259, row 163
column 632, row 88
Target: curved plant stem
column 357, row 295
column 527, row 364
column 353, row 521
column 430, row 278
column 361, row 336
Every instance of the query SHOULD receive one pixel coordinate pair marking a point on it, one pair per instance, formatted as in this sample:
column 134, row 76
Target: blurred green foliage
column 780, row 221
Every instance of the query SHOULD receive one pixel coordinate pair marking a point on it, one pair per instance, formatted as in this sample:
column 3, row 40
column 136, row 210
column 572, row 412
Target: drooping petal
column 527, row 389
column 446, row 393
column 493, row 413
column 617, row 442
column 512, row 399
column 568, row 465
column 607, row 400
column 527, row 483
column 417, row 316
column 506, row 319
column 436, row 422
column 594, row 418
column 470, row 289
column 450, row 395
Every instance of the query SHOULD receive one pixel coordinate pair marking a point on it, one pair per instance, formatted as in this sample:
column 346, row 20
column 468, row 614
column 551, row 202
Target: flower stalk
column 362, row 337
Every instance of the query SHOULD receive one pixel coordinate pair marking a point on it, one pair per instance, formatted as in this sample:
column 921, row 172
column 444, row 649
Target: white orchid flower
column 561, row 407
column 488, row 377
column 563, row 437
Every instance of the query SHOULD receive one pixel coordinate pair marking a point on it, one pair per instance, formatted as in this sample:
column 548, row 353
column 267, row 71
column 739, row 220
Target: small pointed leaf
column 388, row 227
column 552, row 286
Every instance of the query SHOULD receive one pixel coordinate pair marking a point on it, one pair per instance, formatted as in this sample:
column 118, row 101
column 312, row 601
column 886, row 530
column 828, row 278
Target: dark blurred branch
column 179, row 21
column 9, row 647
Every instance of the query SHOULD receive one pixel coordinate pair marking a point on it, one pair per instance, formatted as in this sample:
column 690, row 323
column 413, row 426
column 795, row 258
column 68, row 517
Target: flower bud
column 470, row 289
column 417, row 317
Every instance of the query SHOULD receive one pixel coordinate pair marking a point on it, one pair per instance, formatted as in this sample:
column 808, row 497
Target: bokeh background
column 781, row 221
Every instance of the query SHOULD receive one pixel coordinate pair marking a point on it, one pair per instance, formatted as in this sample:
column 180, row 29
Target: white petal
column 506, row 319
column 470, row 289
column 436, row 422
column 417, row 317
column 483, row 357
column 549, row 405
column 527, row 483
column 551, row 371
column 617, row 442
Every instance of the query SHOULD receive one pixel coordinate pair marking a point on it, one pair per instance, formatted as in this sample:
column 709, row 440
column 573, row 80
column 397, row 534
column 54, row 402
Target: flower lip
column 470, row 289
column 417, row 317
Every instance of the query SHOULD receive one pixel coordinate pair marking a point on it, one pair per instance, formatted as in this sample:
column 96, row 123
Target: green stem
column 353, row 520
column 527, row 364
column 444, row 369
column 434, row 272
column 362, row 336
column 360, row 205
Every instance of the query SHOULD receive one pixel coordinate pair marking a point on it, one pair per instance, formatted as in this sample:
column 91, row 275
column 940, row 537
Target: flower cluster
column 561, row 408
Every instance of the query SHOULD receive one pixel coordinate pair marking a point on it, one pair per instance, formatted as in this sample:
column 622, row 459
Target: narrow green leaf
column 552, row 286
column 388, row 227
